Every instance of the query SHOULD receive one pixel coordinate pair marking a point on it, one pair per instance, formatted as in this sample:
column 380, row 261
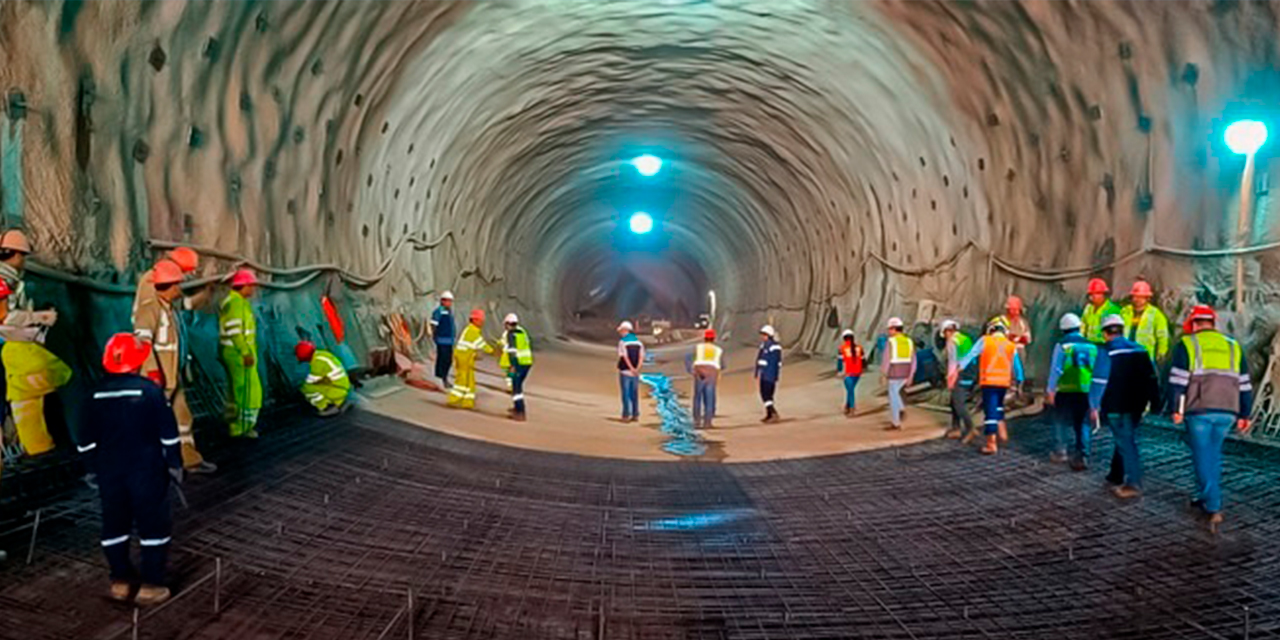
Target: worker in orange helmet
column 155, row 320
column 466, row 354
column 1145, row 323
column 238, row 338
column 1098, row 307
column 14, row 249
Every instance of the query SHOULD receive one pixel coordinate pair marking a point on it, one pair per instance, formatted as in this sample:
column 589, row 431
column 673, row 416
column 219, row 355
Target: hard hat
column 895, row 323
column 997, row 323
column 243, row 277
column 186, row 258
column 709, row 334
column 1069, row 322
column 448, row 295
column 768, row 331
column 5, row 291
column 1014, row 302
column 166, row 272
column 950, row 324
column 15, row 240
column 847, row 333
column 125, row 353
column 1141, row 288
column 304, row 350
column 1112, row 320
column 511, row 319
column 626, row 326
column 1203, row 312
column 1098, row 285
column 477, row 315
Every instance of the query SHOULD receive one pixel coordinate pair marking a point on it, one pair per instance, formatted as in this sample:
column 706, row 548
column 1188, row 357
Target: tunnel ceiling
column 821, row 155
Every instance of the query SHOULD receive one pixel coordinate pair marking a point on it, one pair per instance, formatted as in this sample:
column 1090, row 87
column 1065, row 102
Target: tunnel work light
column 641, row 223
column 647, row 164
column 1245, row 136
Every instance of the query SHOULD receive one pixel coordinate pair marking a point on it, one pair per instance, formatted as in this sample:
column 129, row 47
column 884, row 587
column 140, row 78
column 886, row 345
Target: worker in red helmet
column 1098, row 307
column 327, row 384
column 130, row 439
column 1145, row 323
column 238, row 338
column 466, row 355
column 707, row 363
column 1212, row 392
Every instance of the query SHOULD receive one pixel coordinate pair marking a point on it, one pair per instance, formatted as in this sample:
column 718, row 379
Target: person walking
column 850, row 360
column 767, row 371
column 957, row 346
column 238, row 339
column 899, row 368
column 1070, row 377
column 630, row 359
column 442, row 333
column 466, row 355
column 999, row 368
column 1124, row 386
column 327, row 385
column 516, row 360
column 130, row 440
column 708, row 361
column 1212, row 392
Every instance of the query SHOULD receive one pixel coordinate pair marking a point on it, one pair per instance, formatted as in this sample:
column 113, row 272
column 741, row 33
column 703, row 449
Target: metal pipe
column 1242, row 227
column 35, row 529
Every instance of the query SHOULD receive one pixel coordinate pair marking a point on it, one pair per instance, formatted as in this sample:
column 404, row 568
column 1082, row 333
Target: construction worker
column 899, row 368
column 4, row 311
column 14, row 249
column 1098, row 307
column 630, row 359
column 465, row 355
column 708, row 362
column 442, row 333
column 1145, row 323
column 1019, row 326
column 327, row 384
column 239, row 353
column 130, row 439
column 1124, row 385
column 187, row 260
column 1212, row 392
column 516, row 360
column 33, row 376
column 999, row 367
column 1070, row 374
column 850, row 360
column 155, row 320
column 768, row 369
column 958, row 345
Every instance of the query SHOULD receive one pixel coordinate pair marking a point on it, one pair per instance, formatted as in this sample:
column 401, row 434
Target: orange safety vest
column 996, row 365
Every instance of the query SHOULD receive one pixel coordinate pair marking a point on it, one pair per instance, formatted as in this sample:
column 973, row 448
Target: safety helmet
column 1141, row 288
column 448, row 295
column 125, row 353
column 1098, row 285
column 1112, row 320
column 1203, row 312
column 1070, row 322
column 1013, row 303
column 166, row 272
column 5, row 291
column 709, row 334
column 304, row 350
column 186, row 258
column 15, row 240
column 477, row 315
column 847, row 333
column 768, row 331
column 895, row 323
column 949, row 324
column 511, row 319
column 997, row 323
column 626, row 326
column 243, row 278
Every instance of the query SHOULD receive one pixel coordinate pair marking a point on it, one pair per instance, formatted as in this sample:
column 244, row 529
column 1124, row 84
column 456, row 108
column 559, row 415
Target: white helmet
column 847, row 333
column 511, row 319
column 626, row 326
column 949, row 324
column 895, row 323
column 448, row 295
column 1112, row 320
column 1069, row 322
column 768, row 331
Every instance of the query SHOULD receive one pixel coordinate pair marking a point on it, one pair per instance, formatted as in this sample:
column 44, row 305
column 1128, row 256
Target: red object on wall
column 335, row 320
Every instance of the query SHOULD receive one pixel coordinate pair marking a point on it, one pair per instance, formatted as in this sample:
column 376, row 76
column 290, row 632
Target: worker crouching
column 466, row 353
column 327, row 384
column 130, row 440
column 516, row 360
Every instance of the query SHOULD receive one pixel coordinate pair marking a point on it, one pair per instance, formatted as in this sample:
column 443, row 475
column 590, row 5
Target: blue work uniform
column 768, row 368
column 1124, row 386
column 442, row 333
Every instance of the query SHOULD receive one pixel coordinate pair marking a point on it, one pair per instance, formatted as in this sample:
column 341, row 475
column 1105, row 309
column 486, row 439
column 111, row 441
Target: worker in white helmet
column 442, row 334
column 1070, row 378
column 516, row 360
column 630, row 358
column 768, row 368
column 898, row 367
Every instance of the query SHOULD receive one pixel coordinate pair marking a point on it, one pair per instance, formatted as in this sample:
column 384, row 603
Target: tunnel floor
column 323, row 528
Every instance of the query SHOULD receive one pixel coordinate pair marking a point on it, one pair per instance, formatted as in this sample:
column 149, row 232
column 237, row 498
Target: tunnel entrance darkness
column 600, row 287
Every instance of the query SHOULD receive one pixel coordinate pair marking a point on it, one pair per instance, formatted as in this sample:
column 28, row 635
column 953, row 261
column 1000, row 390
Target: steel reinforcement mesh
column 323, row 529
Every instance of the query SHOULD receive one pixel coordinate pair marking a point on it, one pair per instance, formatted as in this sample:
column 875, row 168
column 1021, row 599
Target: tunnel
column 823, row 166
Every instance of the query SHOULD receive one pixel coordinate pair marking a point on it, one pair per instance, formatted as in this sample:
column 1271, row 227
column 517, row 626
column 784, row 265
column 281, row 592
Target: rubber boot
column 151, row 595
column 120, row 591
column 991, row 447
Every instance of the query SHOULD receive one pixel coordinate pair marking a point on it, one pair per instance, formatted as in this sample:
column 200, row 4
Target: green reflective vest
column 1215, row 380
column 1151, row 330
column 327, row 369
column 963, row 343
column 1078, row 359
column 237, row 328
column 515, row 343
column 1091, row 320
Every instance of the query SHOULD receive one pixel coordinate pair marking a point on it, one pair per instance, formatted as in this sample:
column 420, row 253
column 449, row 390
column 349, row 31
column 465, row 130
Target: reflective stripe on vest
column 707, row 354
column 901, row 348
column 997, row 361
column 1215, row 382
column 1078, row 359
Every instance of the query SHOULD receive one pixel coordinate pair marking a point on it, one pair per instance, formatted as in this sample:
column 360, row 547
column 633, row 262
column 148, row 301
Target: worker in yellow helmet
column 237, row 336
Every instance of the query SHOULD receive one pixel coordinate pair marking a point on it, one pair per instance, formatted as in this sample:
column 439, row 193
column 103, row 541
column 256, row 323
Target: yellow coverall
column 156, row 321
column 327, row 384
column 238, row 337
column 465, row 354
column 32, row 373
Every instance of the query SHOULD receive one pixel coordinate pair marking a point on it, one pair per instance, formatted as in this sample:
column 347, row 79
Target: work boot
column 991, row 447
column 1126, row 492
column 518, row 416
column 1003, row 432
column 203, row 467
column 953, row 433
column 848, row 411
column 1079, row 464
column 150, row 594
column 330, row 411
column 893, row 427
column 1058, row 457
column 1214, row 521
column 120, row 591
column 772, row 416
column 970, row 436
column 251, row 434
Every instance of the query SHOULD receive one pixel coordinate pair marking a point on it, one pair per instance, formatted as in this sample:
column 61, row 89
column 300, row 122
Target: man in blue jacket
column 1070, row 380
column 442, row 333
column 768, row 368
column 1124, row 385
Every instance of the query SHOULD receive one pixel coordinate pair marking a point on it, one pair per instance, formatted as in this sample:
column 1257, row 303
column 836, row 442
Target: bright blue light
column 647, row 165
column 641, row 222
column 1245, row 136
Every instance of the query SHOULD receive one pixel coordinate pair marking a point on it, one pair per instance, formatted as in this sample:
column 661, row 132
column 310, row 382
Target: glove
column 177, row 474
column 248, row 360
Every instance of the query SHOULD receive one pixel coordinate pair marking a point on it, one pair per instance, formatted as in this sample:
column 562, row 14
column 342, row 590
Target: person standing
column 1145, row 323
column 442, row 333
column 1070, row 377
column 708, row 361
column 14, row 249
column 768, row 370
column 33, row 375
column 999, row 367
column 1212, row 392
column 466, row 353
column 1019, row 326
column 958, row 345
column 899, row 368
column 849, row 361
column 1098, row 307
column 327, row 385
column 630, row 359
column 516, row 360
column 130, row 439
column 1124, row 385
column 238, row 339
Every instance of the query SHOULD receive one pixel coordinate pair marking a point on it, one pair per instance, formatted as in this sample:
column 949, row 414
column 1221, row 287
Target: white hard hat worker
column 847, row 333
column 511, row 319
column 767, row 330
column 448, row 295
column 1113, row 321
column 1070, row 322
column 949, row 325
column 626, row 327
column 895, row 323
